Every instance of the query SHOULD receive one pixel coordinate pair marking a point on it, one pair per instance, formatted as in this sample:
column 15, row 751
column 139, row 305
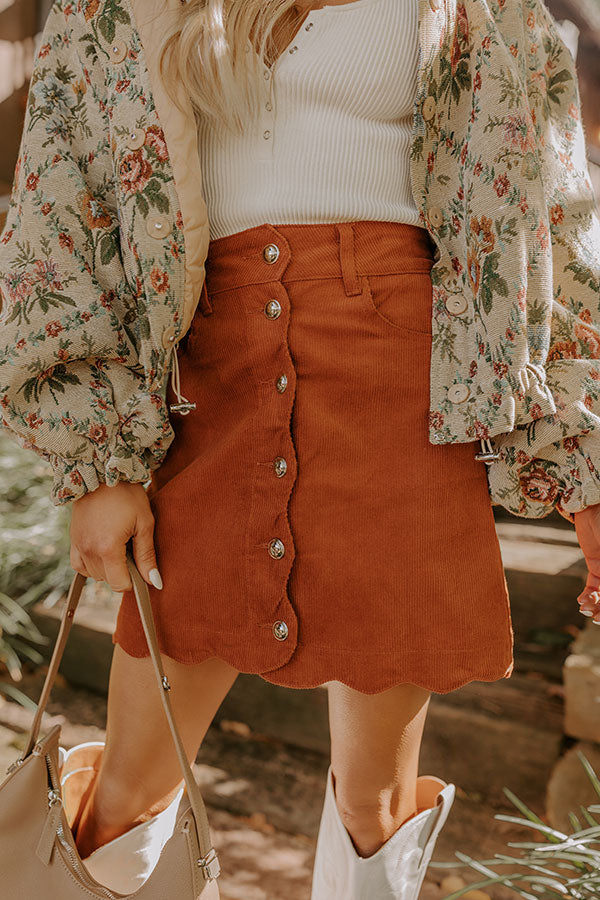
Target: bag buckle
column 210, row 865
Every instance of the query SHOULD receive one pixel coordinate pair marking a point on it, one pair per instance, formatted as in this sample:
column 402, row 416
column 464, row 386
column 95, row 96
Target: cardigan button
column 281, row 383
column 428, row 108
column 136, row 138
column 118, row 51
column 456, row 304
column 168, row 336
column 458, row 393
column 158, row 226
column 436, row 216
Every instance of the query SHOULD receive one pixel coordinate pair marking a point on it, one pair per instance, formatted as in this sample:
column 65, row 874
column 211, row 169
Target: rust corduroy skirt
column 306, row 530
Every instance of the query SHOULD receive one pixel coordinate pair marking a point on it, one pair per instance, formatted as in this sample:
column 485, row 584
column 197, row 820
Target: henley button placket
column 266, row 119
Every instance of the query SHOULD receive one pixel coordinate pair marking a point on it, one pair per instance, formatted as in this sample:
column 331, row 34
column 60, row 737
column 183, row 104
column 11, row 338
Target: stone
column 569, row 787
column 581, row 674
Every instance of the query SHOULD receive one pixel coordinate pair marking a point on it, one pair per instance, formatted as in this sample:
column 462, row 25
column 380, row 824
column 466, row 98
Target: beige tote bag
column 38, row 855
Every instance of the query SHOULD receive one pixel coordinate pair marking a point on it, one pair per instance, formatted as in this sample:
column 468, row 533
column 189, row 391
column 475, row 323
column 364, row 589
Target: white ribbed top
column 333, row 138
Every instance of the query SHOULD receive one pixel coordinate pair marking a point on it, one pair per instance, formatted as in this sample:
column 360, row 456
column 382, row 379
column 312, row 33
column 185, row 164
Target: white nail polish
column 154, row 576
column 584, row 612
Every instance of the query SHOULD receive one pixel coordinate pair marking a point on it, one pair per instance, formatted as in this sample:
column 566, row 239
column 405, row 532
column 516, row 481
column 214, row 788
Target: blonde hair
column 218, row 49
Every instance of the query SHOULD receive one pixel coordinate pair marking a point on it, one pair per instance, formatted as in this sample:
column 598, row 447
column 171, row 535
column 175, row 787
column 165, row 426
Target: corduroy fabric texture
column 369, row 555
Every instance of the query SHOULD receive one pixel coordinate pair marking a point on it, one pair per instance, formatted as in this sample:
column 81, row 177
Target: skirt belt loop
column 345, row 234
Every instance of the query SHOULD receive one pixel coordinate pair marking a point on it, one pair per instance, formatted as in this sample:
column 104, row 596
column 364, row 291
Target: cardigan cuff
column 74, row 478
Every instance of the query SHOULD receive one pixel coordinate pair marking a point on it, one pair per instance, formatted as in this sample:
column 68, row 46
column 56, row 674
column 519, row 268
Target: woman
column 401, row 264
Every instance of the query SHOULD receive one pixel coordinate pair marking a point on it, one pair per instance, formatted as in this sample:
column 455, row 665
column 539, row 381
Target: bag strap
column 145, row 608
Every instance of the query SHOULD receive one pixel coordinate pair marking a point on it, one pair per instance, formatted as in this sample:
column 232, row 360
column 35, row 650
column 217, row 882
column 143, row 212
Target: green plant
column 565, row 866
column 34, row 557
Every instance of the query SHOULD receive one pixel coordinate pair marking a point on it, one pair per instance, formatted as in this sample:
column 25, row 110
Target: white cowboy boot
column 397, row 870
column 126, row 862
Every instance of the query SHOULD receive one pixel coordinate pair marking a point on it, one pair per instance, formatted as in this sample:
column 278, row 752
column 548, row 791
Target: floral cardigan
column 102, row 257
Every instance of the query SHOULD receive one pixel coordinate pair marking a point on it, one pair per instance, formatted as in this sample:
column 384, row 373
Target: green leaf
column 108, row 247
column 10, row 691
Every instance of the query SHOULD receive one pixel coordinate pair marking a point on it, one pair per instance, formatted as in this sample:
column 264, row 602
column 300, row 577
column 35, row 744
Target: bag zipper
column 55, row 799
column 80, row 868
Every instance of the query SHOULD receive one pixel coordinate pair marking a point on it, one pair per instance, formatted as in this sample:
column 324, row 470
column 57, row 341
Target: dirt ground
column 264, row 800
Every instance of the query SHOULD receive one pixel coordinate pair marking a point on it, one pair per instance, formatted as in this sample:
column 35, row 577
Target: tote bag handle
column 145, row 609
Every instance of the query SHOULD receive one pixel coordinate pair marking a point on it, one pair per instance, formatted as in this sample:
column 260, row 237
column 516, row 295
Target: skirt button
column 280, row 630
column 273, row 309
column 280, row 466
column 276, row 548
column 271, row 253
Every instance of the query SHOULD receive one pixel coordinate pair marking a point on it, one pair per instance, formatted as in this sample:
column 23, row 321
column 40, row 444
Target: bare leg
column 375, row 745
column 140, row 772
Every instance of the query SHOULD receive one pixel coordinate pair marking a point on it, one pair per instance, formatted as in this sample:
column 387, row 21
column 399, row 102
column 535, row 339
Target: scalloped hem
column 455, row 673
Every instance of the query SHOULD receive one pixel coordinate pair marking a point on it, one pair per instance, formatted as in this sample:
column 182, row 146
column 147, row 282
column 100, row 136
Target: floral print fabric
column 499, row 172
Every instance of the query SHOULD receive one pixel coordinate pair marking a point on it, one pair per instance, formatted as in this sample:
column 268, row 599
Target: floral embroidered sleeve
column 72, row 387
column 554, row 461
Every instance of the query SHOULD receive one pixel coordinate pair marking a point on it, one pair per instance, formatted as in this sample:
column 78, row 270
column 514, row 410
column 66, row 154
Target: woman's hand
column 587, row 526
column 102, row 522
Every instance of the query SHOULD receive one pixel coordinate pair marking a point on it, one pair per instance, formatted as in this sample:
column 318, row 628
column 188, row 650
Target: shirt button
column 168, row 336
column 266, row 74
column 276, row 548
column 136, row 138
column 436, row 216
column 281, row 383
column 271, row 253
column 266, row 135
column 268, row 107
column 273, row 309
column 118, row 51
column 280, row 466
column 456, row 304
column 458, row 393
column 158, row 226
column 428, row 108
column 293, row 49
column 280, row 630
column 308, row 26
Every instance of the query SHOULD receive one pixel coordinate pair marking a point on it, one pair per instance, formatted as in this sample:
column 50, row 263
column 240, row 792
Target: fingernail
column 596, row 622
column 154, row 576
column 584, row 612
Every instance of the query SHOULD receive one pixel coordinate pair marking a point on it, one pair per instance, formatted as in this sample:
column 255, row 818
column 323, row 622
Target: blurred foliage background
column 34, row 556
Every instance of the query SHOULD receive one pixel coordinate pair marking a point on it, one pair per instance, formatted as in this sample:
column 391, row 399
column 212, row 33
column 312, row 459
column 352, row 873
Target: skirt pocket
column 402, row 300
